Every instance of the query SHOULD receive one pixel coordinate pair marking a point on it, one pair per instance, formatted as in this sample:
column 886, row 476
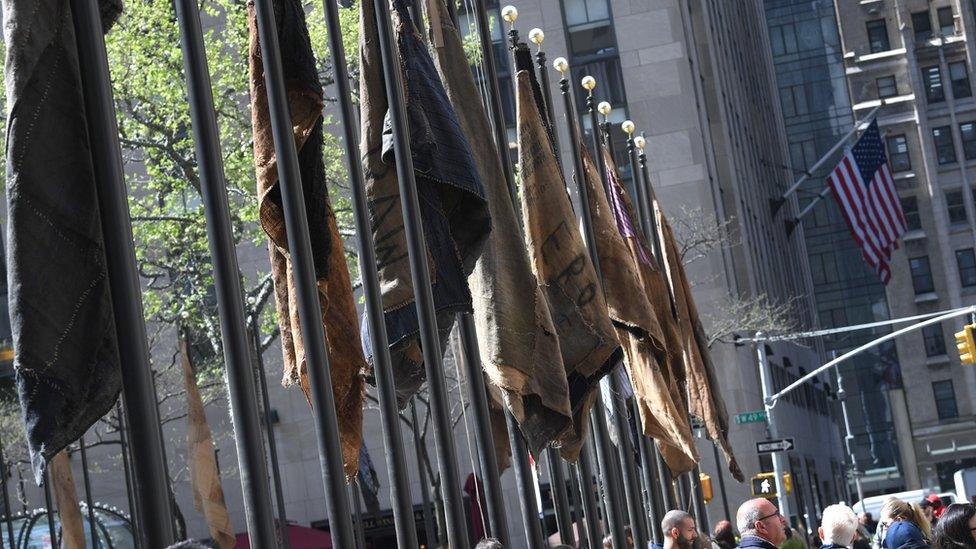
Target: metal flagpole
column 667, row 483
column 721, row 482
column 51, row 529
column 615, row 514
column 494, row 499
column 701, row 514
column 777, row 203
column 431, row 535
column 591, row 517
column 520, row 453
column 282, row 525
column 625, row 449
column 396, row 462
column 230, row 306
column 601, row 437
column 779, row 467
column 88, row 491
column 127, row 472
column 148, row 464
column 654, row 510
column 420, row 275
column 309, row 311
column 523, row 479
column 849, row 436
column 8, row 518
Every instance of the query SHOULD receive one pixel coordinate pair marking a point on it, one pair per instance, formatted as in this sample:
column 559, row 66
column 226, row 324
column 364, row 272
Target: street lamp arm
column 771, row 400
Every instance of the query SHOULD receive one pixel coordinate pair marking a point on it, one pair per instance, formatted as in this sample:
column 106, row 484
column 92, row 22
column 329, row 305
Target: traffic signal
column 966, row 343
column 706, row 486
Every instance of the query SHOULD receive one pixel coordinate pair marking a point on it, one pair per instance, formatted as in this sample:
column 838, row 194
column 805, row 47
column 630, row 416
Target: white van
column 873, row 504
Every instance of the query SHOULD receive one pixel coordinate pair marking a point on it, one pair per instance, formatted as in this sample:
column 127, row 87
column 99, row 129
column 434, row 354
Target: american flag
column 866, row 194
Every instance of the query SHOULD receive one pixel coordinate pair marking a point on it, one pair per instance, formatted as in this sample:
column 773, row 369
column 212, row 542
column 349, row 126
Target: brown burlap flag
column 66, row 496
column 562, row 265
column 516, row 336
column 339, row 315
column 704, row 398
column 208, row 494
column 627, row 277
column 454, row 213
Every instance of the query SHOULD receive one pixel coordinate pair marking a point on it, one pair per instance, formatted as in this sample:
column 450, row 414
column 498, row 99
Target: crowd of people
column 902, row 525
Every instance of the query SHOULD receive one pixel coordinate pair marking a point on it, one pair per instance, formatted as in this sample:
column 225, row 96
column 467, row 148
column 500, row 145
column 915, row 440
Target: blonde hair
column 895, row 509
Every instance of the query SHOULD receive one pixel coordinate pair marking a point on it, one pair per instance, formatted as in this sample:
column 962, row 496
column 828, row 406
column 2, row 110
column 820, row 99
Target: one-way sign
column 772, row 446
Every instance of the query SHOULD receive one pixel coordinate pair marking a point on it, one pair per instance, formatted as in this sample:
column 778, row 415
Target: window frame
column 955, row 206
column 874, row 25
column 945, row 146
column 918, row 278
column 961, row 87
column 913, row 218
column 922, row 35
column 942, row 398
column 952, row 20
column 966, row 272
column 933, row 340
column 892, row 144
column 893, row 86
column 934, row 87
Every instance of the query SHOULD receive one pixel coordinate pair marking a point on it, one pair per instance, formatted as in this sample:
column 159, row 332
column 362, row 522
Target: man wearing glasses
column 760, row 524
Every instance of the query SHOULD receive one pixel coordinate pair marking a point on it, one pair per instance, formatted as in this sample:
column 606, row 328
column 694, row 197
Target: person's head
column 957, row 527
column 489, row 543
column 679, row 529
column 896, row 510
column 927, row 510
column 838, row 526
column 759, row 517
column 723, row 532
column 608, row 542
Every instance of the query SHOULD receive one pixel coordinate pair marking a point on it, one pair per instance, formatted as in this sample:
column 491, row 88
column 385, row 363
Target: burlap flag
column 704, row 398
column 208, row 494
column 66, row 356
column 339, row 316
column 516, row 336
column 631, row 282
column 72, row 533
column 455, row 215
column 561, row 264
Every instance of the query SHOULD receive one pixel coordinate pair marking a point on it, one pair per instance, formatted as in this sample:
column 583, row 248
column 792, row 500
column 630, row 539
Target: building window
column 947, row 23
column 934, row 340
column 945, row 399
column 783, row 39
column 921, row 275
column 887, row 87
column 959, row 79
column 909, row 207
column 966, row 260
column 944, row 147
column 922, row 24
column 581, row 12
column 898, row 157
column 968, row 132
column 878, row 36
column 955, row 207
column 932, row 80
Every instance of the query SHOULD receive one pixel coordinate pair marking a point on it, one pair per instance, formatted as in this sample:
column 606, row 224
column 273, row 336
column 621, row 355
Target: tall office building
column 914, row 59
column 810, row 73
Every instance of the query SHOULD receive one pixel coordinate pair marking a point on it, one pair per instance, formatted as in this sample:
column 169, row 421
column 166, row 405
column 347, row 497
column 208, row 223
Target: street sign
column 773, row 446
column 751, row 417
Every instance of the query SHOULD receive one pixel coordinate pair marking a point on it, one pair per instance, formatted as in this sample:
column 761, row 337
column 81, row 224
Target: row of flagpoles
column 628, row 499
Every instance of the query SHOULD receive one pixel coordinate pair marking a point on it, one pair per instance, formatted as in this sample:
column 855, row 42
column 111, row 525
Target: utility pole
column 766, row 377
column 848, row 436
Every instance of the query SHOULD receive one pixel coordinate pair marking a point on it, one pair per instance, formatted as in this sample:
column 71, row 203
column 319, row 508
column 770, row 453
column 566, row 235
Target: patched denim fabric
column 66, row 354
column 455, row 217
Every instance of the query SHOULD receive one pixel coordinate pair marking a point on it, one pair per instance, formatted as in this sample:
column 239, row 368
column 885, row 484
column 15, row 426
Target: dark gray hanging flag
column 66, row 354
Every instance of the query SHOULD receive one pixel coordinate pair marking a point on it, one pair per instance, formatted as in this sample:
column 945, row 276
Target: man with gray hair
column 838, row 527
column 760, row 524
column 680, row 531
